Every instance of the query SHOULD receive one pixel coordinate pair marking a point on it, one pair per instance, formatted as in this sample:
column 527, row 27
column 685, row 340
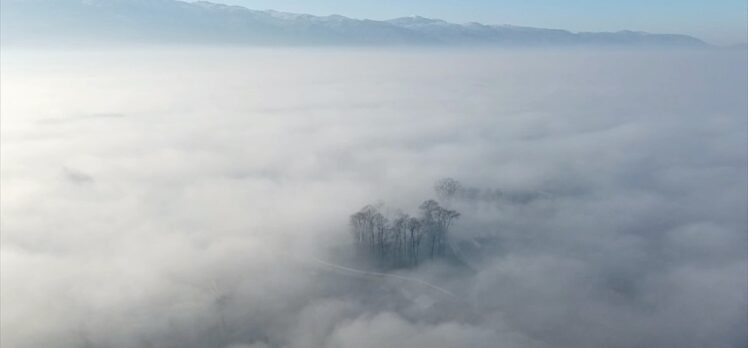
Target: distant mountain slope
column 172, row 21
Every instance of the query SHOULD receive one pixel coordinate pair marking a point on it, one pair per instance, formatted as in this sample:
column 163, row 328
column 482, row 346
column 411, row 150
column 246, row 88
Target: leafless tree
column 436, row 221
column 446, row 190
column 399, row 242
column 415, row 235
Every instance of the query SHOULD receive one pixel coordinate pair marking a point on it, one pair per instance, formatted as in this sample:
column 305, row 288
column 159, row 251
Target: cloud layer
column 184, row 198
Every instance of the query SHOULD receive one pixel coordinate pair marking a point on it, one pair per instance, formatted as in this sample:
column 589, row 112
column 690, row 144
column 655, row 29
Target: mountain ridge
column 174, row 21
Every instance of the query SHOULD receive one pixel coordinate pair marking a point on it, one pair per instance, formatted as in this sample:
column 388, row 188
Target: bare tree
column 399, row 243
column 446, row 189
column 400, row 239
column 364, row 224
column 415, row 235
column 436, row 221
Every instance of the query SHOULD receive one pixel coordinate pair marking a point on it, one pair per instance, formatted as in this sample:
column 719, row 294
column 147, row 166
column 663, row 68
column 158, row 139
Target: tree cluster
column 450, row 190
column 403, row 240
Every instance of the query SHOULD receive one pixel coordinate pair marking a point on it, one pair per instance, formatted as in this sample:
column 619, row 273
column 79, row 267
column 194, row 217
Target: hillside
column 170, row 21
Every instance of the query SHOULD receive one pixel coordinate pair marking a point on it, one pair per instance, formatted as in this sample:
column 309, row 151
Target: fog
column 200, row 197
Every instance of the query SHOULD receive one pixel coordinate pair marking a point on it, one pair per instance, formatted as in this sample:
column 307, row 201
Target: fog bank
column 190, row 197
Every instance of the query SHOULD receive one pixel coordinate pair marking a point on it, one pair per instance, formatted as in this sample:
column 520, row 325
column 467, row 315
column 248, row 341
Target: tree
column 446, row 189
column 400, row 238
column 364, row 224
column 415, row 235
column 400, row 242
column 436, row 221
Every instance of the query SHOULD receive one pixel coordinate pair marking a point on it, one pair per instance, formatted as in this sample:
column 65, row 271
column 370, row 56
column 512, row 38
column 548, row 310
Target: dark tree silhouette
column 404, row 241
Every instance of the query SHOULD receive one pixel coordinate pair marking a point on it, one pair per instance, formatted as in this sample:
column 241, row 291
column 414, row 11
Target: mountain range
column 172, row 21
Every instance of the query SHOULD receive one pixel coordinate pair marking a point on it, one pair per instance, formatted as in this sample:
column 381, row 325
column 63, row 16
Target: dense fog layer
column 200, row 198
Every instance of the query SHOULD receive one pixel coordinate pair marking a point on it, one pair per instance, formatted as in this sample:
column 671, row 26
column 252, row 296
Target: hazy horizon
column 724, row 23
column 76, row 22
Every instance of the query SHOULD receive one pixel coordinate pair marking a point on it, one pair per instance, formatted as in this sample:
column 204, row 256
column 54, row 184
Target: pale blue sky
column 717, row 21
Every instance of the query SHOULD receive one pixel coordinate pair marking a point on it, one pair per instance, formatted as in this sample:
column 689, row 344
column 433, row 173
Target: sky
column 719, row 21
